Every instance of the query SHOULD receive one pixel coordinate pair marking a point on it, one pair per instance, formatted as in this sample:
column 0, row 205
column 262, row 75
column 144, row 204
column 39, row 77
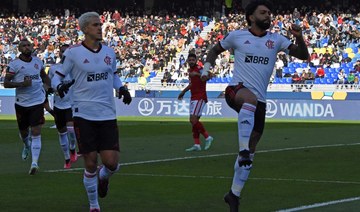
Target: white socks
column 105, row 173
column 64, row 143
column 71, row 137
column 241, row 174
column 90, row 183
column 35, row 148
column 246, row 119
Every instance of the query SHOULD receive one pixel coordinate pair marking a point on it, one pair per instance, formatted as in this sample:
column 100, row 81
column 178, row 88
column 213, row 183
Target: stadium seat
column 287, row 80
column 351, row 55
column 348, row 50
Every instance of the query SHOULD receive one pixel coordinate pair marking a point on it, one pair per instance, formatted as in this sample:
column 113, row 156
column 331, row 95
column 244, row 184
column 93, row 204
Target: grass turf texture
column 298, row 163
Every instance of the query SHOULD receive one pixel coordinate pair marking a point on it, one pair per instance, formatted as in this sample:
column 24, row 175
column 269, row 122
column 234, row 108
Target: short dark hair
column 192, row 55
column 251, row 7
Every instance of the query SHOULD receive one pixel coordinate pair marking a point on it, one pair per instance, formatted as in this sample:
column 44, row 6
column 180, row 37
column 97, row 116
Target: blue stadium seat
column 287, row 80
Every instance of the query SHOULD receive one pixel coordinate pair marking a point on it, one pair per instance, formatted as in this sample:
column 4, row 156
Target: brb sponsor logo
column 256, row 59
column 97, row 76
column 146, row 107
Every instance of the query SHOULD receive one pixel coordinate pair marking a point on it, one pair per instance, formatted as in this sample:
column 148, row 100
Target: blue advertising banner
column 276, row 109
column 217, row 108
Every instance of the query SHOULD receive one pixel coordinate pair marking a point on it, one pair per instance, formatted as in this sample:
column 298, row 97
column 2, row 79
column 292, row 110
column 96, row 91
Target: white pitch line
column 321, row 204
column 213, row 155
column 251, row 178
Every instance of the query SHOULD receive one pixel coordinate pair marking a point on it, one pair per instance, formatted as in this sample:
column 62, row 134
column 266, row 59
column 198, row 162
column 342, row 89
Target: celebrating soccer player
column 93, row 67
column 27, row 75
column 255, row 51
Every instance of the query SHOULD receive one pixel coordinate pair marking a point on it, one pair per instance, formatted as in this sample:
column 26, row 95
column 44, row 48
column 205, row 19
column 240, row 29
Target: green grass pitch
column 297, row 164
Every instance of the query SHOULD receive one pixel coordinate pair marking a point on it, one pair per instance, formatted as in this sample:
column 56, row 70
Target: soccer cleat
column 94, row 209
column 33, row 169
column 232, row 201
column 193, row 148
column 73, row 156
column 103, row 185
column 67, row 164
column 208, row 142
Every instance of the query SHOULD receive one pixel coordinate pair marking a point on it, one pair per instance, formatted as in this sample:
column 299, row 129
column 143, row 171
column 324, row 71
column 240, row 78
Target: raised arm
column 210, row 60
column 299, row 49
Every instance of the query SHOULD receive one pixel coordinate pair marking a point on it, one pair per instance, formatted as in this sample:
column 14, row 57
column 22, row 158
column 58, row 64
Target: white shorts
column 196, row 107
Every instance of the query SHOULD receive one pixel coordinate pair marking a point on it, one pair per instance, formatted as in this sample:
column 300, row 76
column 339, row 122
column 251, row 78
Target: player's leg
column 242, row 167
column 71, row 135
column 60, row 122
column 22, row 118
column 86, row 137
column 244, row 102
column 196, row 108
column 36, row 121
column 109, row 153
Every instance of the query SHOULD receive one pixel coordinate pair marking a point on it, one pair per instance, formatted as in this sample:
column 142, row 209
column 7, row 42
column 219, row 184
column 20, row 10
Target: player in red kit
column 198, row 101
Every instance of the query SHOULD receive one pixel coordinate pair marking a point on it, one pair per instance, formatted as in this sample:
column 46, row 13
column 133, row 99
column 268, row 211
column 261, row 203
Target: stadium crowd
column 146, row 43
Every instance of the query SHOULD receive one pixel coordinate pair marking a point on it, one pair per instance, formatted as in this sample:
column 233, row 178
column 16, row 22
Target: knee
column 193, row 120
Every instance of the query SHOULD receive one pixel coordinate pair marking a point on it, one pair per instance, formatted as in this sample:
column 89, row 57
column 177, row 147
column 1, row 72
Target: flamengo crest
column 107, row 60
column 270, row 44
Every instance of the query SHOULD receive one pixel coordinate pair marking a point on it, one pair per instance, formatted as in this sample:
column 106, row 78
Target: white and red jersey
column 255, row 58
column 31, row 95
column 198, row 87
column 65, row 102
column 93, row 71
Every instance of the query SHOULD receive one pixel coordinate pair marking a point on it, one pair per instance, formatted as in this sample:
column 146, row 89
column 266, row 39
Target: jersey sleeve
column 11, row 68
column 228, row 41
column 284, row 44
column 68, row 63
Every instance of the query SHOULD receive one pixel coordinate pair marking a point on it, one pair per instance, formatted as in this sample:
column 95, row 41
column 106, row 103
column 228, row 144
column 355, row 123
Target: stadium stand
column 150, row 44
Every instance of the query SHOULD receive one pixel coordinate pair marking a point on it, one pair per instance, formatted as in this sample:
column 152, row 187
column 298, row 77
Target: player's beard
column 263, row 25
column 27, row 53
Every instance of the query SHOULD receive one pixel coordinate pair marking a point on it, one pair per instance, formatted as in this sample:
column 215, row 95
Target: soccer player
column 93, row 67
column 63, row 116
column 255, row 55
column 198, row 101
column 27, row 75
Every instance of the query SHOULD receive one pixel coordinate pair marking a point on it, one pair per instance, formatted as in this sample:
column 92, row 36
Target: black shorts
column 96, row 135
column 29, row 116
column 260, row 112
column 62, row 116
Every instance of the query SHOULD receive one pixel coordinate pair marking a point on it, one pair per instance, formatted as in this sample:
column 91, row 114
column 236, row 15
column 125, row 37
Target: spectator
column 350, row 79
column 320, row 72
column 297, row 81
column 166, row 80
column 142, row 82
column 308, row 78
column 341, row 78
